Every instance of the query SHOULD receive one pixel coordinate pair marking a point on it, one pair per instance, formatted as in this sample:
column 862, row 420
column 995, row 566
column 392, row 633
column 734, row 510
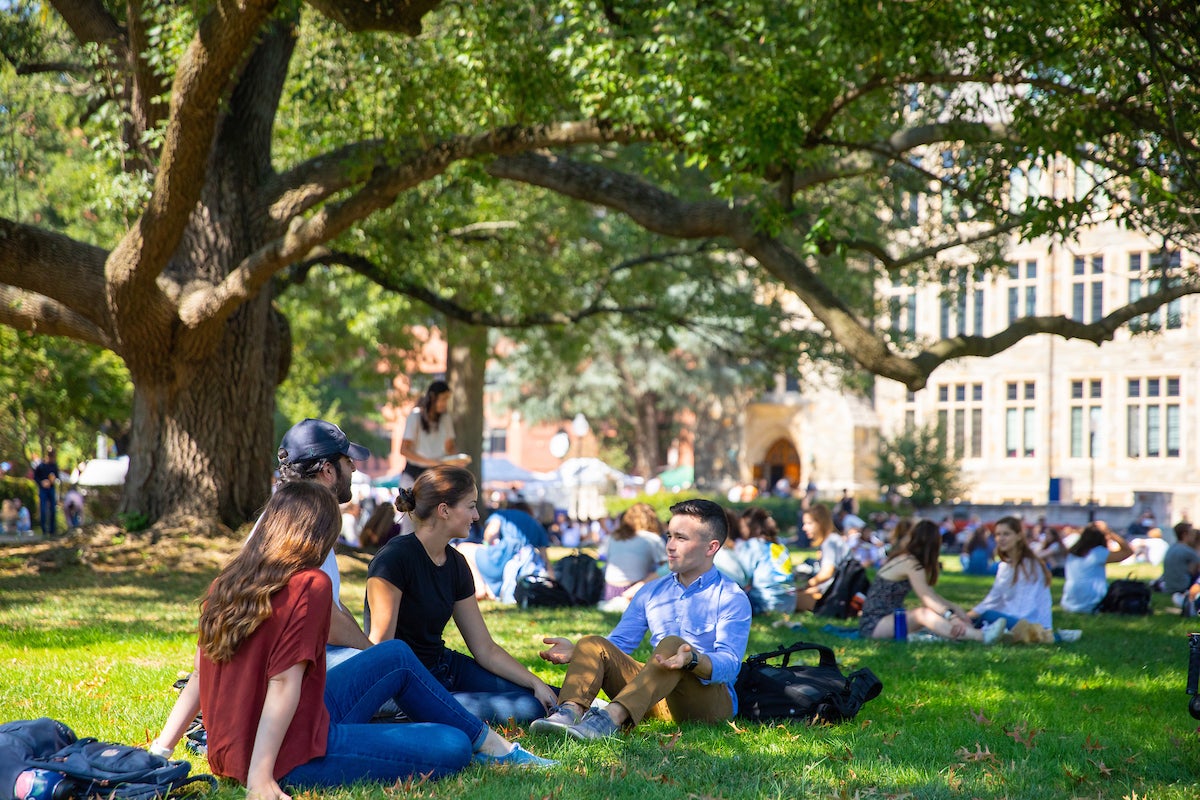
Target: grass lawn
column 1105, row 717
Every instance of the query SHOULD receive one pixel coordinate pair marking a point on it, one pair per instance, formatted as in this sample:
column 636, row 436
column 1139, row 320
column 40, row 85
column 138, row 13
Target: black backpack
column 1126, row 596
column 849, row 579
column 582, row 577
column 538, row 591
column 814, row 694
column 93, row 767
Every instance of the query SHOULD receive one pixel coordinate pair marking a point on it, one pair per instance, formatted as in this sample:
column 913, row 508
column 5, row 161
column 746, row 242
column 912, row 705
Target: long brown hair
column 1091, row 538
column 924, row 543
column 820, row 515
column 298, row 527
column 1025, row 558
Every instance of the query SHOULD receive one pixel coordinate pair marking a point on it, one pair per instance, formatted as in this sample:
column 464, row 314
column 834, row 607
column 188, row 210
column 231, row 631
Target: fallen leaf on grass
column 736, row 729
column 669, row 741
column 979, row 717
column 980, row 754
column 1092, row 745
column 1099, row 765
column 1073, row 775
column 1023, row 735
column 659, row 778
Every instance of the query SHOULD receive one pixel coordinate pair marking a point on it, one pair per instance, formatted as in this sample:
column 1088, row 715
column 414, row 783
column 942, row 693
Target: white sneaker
column 994, row 630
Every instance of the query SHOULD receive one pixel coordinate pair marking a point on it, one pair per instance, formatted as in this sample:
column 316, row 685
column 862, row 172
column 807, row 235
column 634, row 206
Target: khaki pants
column 642, row 689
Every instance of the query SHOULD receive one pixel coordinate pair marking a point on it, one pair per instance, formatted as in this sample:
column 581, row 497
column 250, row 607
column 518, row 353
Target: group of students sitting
column 1021, row 589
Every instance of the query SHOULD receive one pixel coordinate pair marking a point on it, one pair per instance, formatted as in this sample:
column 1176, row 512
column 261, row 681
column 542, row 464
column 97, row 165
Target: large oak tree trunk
column 204, row 445
column 202, row 441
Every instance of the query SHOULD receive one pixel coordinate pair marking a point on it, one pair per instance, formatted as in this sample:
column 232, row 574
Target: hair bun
column 405, row 500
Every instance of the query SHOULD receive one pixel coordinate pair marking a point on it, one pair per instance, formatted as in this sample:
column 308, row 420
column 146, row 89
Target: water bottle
column 901, row 625
column 41, row 784
column 1189, row 606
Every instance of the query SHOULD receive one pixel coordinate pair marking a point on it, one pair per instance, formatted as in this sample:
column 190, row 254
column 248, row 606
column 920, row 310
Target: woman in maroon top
column 272, row 717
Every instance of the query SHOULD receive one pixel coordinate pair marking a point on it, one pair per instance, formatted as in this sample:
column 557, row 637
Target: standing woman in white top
column 1022, row 586
column 429, row 433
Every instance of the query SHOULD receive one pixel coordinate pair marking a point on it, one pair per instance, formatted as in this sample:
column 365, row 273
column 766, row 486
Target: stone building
column 1046, row 421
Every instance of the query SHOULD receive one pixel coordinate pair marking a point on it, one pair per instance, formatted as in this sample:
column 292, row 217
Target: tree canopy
column 227, row 142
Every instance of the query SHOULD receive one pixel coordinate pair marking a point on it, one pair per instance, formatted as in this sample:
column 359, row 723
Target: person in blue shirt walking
column 699, row 623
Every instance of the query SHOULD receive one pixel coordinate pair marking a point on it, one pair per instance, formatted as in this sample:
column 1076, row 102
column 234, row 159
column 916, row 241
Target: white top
column 630, row 560
column 1027, row 598
column 430, row 444
column 833, row 550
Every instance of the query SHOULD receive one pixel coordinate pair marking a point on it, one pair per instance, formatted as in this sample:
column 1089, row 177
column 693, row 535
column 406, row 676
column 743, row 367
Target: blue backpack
column 93, row 767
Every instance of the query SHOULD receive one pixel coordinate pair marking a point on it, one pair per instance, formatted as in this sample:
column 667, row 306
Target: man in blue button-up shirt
column 698, row 621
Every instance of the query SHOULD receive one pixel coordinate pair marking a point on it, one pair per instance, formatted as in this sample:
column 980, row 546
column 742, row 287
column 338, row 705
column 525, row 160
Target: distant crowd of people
column 15, row 517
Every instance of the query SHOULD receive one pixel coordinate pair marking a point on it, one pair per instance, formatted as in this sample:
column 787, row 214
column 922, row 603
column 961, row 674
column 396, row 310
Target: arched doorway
column 781, row 461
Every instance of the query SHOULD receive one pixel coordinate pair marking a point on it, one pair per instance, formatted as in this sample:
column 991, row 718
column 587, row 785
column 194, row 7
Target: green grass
column 1105, row 717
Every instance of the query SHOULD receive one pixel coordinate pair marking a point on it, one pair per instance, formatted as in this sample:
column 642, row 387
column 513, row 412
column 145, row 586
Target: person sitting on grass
column 417, row 583
column 273, row 716
column 913, row 567
column 818, row 525
column 768, row 562
column 1086, row 575
column 699, row 623
column 1021, row 590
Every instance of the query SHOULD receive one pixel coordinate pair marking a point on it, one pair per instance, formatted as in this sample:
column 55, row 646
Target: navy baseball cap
column 311, row 439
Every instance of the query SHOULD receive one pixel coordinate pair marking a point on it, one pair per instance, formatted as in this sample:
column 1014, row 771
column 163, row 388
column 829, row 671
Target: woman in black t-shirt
column 417, row 583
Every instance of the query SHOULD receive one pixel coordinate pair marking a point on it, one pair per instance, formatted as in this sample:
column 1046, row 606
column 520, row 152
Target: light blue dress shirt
column 712, row 615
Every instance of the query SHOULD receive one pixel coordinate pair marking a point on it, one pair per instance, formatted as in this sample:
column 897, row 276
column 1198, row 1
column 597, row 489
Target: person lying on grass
column 273, row 716
column 699, row 623
column 913, row 567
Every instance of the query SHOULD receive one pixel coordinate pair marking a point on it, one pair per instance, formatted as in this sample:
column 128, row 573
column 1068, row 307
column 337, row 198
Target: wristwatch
column 691, row 665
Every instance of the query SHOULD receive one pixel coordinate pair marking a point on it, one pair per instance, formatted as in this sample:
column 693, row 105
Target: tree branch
column 380, row 191
column 373, row 272
column 91, row 23
column 29, row 311
column 203, row 77
column 55, row 267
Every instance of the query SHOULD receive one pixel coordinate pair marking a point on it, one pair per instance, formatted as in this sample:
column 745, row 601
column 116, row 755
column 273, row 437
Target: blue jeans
column 47, row 508
column 992, row 615
column 486, row 695
column 439, row 742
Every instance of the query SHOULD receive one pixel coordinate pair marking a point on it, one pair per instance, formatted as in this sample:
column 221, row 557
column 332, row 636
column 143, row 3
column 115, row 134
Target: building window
column 1146, row 274
column 1085, row 417
column 902, row 305
column 496, row 441
column 1087, row 289
column 1152, row 418
column 1022, row 290
column 960, row 416
column 1020, row 419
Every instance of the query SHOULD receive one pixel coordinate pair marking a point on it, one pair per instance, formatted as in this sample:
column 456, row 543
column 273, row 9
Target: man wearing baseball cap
column 316, row 450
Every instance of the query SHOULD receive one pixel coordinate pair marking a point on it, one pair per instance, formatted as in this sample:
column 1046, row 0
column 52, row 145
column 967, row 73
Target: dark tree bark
column 466, row 361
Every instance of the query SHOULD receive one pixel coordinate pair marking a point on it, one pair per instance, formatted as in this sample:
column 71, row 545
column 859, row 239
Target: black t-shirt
column 428, row 592
column 45, row 470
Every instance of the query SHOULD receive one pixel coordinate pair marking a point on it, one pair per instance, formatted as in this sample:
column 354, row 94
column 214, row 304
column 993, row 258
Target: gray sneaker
column 596, row 724
column 558, row 720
